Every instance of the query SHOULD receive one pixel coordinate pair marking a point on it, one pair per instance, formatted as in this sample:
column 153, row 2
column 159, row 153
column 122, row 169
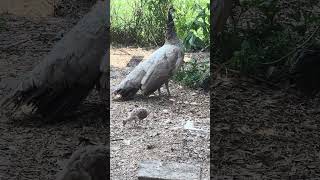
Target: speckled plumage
column 136, row 115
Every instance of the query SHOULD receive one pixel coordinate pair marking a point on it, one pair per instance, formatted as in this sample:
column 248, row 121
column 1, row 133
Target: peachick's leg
column 167, row 87
column 159, row 92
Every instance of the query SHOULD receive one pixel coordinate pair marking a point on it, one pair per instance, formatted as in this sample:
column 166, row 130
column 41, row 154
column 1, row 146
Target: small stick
column 295, row 49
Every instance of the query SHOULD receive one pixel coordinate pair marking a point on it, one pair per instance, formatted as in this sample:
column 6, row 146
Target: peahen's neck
column 171, row 35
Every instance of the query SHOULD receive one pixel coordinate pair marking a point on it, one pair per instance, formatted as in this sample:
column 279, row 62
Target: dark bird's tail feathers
column 50, row 102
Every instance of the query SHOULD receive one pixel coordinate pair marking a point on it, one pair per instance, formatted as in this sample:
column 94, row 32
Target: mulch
column 258, row 132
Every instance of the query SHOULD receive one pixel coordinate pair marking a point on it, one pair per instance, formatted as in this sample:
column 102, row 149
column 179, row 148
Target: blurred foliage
column 262, row 33
column 194, row 74
column 143, row 22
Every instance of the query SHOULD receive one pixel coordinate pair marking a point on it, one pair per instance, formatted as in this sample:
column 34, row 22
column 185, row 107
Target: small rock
column 173, row 100
column 165, row 111
column 127, row 142
column 188, row 125
column 154, row 134
column 194, row 103
column 168, row 170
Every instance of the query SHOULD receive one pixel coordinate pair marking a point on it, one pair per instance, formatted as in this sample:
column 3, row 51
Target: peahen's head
column 170, row 22
column 170, row 30
column 171, row 10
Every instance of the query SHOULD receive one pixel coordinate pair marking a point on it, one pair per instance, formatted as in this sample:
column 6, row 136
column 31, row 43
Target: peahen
column 152, row 73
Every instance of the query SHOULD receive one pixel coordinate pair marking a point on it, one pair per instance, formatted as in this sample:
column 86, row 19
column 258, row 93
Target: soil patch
column 161, row 136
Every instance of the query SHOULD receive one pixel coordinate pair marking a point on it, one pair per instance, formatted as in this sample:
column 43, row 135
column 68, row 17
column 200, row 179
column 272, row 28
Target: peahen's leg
column 167, row 87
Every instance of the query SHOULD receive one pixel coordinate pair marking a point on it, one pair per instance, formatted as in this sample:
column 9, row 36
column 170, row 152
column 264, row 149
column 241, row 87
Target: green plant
column 255, row 52
column 194, row 73
column 265, row 33
column 198, row 31
column 151, row 28
column 142, row 22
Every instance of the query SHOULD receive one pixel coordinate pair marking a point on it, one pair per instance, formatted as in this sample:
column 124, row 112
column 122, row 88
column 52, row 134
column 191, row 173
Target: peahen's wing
column 161, row 70
column 132, row 83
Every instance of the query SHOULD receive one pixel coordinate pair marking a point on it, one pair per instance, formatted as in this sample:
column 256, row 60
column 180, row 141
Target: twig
column 153, row 38
column 220, row 66
column 205, row 48
column 294, row 50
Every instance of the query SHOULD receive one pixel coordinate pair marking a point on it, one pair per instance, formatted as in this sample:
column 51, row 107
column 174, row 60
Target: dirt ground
column 161, row 136
column 263, row 133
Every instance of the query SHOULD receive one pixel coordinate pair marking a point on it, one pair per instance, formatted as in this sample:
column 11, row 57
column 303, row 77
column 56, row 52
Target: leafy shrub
column 264, row 33
column 193, row 25
column 253, row 53
column 142, row 22
column 194, row 74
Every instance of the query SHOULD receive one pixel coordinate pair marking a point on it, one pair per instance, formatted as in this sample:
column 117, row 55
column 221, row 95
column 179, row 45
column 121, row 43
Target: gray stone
column 158, row 170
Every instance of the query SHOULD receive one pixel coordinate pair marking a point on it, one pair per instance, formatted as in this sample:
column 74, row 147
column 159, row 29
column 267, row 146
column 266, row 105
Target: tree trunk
column 221, row 10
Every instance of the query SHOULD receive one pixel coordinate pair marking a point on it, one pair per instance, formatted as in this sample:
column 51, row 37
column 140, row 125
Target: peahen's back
column 165, row 65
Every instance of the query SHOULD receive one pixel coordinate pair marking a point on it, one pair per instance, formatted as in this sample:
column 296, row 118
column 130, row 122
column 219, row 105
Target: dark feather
column 307, row 71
